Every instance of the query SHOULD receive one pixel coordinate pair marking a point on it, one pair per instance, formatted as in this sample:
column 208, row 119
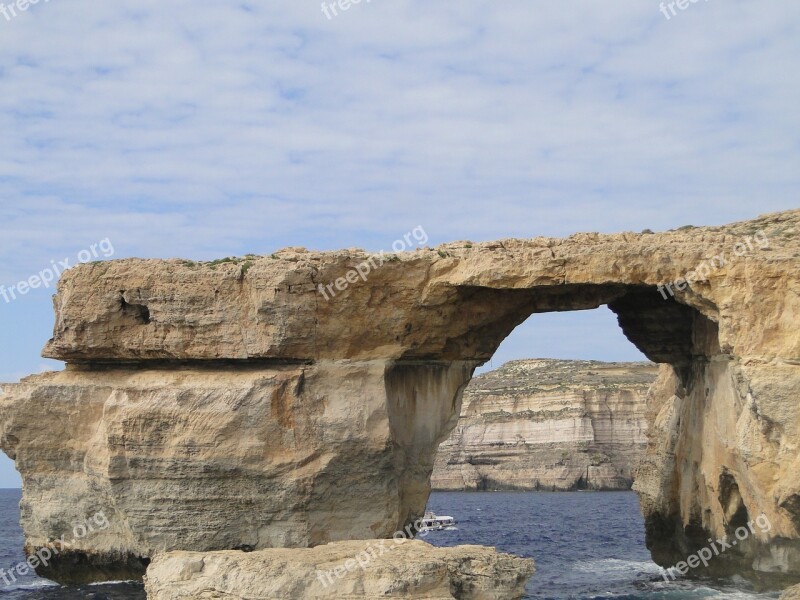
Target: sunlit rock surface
column 230, row 405
column 792, row 593
column 218, row 458
column 356, row 569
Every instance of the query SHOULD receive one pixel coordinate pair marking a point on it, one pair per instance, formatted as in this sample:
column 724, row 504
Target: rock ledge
column 354, row 569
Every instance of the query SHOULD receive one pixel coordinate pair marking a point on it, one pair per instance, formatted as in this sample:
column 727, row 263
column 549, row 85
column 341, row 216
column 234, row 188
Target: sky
column 207, row 129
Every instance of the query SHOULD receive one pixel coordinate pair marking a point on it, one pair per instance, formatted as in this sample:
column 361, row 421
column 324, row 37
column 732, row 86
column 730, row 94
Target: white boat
column 433, row 522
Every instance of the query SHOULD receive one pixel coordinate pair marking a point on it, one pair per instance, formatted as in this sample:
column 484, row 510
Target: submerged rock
column 354, row 569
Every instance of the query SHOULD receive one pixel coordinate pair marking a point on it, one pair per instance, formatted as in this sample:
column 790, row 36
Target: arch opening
column 597, row 437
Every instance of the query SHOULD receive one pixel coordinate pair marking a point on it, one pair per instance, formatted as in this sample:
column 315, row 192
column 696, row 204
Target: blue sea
column 585, row 544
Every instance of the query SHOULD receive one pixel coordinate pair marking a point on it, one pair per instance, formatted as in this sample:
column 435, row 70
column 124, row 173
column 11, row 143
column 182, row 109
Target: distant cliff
column 548, row 425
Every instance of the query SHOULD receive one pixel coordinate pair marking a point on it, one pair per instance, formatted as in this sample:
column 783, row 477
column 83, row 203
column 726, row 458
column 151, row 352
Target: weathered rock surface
column 212, row 458
column 189, row 381
column 355, row 569
column 548, row 425
column 793, row 593
column 457, row 303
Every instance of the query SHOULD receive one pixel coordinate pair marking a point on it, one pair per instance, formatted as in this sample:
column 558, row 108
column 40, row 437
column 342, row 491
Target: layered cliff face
column 208, row 457
column 548, row 425
column 317, row 419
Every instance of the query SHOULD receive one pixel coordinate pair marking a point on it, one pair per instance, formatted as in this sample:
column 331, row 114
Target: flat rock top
column 781, row 229
column 361, row 569
column 328, row 555
column 530, row 376
column 453, row 302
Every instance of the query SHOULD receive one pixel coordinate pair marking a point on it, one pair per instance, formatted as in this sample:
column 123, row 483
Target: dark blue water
column 586, row 545
column 30, row 587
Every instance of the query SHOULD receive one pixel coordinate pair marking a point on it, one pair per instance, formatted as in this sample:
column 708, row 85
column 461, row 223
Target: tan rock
column 548, row 425
column 350, row 570
column 793, row 593
column 190, row 382
column 456, row 303
column 210, row 458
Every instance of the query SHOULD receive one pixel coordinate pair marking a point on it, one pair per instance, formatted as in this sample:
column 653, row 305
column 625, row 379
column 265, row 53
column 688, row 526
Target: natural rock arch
column 250, row 410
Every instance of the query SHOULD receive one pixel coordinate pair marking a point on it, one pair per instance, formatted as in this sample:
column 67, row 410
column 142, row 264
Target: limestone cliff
column 354, row 570
column 548, row 425
column 211, row 406
column 208, row 458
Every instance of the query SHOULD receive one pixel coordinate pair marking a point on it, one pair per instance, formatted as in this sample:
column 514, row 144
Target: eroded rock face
column 548, row 425
column 355, row 569
column 722, row 463
column 250, row 457
column 190, row 381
